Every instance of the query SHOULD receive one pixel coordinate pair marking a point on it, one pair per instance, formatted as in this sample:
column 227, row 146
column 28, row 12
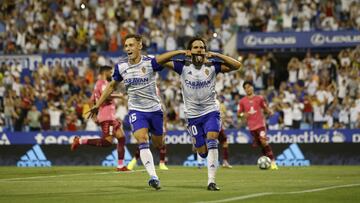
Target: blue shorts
column 200, row 126
column 151, row 120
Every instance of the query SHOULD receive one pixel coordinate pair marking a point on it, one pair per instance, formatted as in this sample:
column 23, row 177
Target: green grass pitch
column 180, row 184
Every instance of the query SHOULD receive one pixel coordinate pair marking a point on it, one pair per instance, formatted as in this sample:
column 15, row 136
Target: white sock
column 199, row 159
column 148, row 161
column 212, row 159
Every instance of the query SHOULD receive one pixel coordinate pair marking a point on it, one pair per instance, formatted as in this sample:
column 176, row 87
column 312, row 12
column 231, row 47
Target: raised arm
column 105, row 94
column 164, row 59
column 230, row 64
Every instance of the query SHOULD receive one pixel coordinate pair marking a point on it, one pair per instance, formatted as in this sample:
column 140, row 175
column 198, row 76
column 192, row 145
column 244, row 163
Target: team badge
column 207, row 72
column 143, row 69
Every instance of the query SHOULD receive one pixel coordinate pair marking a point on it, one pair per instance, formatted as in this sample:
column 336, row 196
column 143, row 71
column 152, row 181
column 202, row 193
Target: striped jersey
column 140, row 84
column 198, row 88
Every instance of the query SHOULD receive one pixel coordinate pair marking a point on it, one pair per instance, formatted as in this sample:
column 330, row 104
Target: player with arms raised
column 251, row 108
column 145, row 115
column 110, row 126
column 198, row 79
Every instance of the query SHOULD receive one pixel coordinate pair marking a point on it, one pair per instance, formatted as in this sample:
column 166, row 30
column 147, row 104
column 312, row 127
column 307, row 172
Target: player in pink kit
column 110, row 126
column 250, row 108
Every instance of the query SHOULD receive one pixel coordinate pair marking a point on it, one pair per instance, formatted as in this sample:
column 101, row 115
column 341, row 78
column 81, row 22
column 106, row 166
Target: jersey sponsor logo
column 292, row 156
column 34, row 158
column 197, row 84
column 112, row 159
column 136, row 81
column 252, row 111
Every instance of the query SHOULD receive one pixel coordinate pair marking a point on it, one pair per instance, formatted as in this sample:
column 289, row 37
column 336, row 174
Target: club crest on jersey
column 207, row 72
column 143, row 70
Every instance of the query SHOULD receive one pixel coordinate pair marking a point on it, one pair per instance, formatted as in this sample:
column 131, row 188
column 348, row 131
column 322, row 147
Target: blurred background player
column 251, row 108
column 162, row 150
column 110, row 126
column 222, row 136
column 198, row 89
column 145, row 114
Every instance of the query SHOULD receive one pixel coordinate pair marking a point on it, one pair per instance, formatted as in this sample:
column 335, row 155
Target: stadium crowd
column 66, row 26
column 319, row 92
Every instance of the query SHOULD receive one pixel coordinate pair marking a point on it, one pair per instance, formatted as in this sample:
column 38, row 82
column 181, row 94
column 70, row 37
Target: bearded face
column 198, row 59
column 198, row 52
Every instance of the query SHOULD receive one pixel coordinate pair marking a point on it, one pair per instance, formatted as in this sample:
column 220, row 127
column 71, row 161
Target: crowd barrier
column 291, row 148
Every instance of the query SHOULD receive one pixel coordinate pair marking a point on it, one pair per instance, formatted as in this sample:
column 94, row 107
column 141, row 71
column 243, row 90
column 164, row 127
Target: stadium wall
column 291, row 148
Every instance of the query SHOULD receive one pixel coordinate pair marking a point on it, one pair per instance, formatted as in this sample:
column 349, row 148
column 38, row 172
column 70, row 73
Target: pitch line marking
column 68, row 175
column 279, row 193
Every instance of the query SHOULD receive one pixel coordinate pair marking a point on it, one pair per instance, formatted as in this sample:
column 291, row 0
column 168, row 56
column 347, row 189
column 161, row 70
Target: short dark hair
column 248, row 83
column 105, row 68
column 136, row 36
column 189, row 46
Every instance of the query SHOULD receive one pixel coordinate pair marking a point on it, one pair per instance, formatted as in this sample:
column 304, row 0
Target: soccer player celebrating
column 162, row 150
column 145, row 115
column 250, row 108
column 198, row 79
column 110, row 126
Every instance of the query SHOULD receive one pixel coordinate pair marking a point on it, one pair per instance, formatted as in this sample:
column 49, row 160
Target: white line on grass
column 68, row 175
column 279, row 193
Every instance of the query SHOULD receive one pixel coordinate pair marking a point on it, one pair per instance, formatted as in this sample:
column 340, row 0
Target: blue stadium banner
column 271, row 40
column 27, row 61
column 181, row 137
column 65, row 59
column 73, row 59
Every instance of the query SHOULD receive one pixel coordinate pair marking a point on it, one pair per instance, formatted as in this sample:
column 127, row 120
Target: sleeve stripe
column 117, row 76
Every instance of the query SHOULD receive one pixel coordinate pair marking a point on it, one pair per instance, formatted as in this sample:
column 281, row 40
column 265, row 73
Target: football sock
column 267, row 151
column 212, row 159
column 98, row 142
column 121, row 151
column 83, row 141
column 137, row 153
column 199, row 159
column 147, row 159
column 162, row 151
column 120, row 163
column 225, row 153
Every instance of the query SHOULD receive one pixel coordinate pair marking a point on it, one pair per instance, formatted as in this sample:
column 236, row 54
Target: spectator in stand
column 45, row 120
column 33, row 119
column 55, row 115
column 9, row 111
